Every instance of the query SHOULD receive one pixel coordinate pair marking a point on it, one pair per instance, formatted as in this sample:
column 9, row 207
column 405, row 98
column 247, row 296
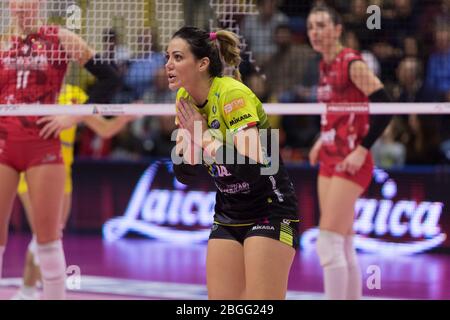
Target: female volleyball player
column 342, row 150
column 254, row 235
column 33, row 62
column 105, row 128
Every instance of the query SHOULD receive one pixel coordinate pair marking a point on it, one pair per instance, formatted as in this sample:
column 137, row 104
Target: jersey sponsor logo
column 239, row 119
column 234, row 188
column 215, row 124
column 234, row 105
column 49, row 158
column 39, row 62
column 346, row 108
column 218, row 171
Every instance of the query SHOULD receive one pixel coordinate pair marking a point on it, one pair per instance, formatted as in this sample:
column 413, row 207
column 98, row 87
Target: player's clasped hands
column 189, row 117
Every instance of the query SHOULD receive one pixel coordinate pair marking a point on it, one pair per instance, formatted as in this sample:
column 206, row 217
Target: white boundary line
column 158, row 290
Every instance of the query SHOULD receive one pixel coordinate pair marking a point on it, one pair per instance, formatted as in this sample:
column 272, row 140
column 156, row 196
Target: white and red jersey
column 340, row 132
column 32, row 70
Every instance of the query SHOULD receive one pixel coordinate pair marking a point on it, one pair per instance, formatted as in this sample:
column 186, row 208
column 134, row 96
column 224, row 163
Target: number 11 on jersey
column 22, row 78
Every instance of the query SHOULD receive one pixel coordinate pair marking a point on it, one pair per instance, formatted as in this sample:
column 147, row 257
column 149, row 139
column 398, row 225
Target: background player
column 343, row 150
column 33, row 62
column 105, row 128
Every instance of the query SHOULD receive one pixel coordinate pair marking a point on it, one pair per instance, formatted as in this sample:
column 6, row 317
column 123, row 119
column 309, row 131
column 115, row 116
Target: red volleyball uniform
column 32, row 71
column 341, row 133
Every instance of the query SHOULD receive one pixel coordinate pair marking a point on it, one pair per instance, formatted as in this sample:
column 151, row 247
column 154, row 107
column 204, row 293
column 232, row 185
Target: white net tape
column 270, row 108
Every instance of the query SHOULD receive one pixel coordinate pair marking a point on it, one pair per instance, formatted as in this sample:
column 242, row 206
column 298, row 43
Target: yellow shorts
column 23, row 188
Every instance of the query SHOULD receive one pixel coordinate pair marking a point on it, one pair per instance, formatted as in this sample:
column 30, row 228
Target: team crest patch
column 215, row 124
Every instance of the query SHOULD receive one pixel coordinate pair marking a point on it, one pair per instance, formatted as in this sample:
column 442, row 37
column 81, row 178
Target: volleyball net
column 403, row 43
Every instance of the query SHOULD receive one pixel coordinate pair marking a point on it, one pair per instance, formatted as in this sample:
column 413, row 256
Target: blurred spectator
column 411, row 87
column 402, row 18
column 356, row 21
column 285, row 69
column 115, row 54
column 411, row 47
column 146, row 137
column 443, row 15
column 149, row 136
column 387, row 151
column 155, row 135
column 258, row 84
column 422, row 140
column 159, row 91
column 438, row 69
column 114, row 51
column 126, row 146
column 258, row 29
column 422, row 135
column 197, row 13
column 399, row 21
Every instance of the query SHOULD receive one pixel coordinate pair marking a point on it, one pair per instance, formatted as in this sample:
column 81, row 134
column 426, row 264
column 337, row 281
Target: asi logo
column 215, row 124
column 239, row 119
column 392, row 227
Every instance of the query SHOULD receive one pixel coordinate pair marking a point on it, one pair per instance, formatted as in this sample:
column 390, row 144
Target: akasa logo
column 239, row 119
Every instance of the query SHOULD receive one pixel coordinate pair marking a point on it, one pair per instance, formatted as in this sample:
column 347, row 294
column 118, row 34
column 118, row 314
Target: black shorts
column 284, row 230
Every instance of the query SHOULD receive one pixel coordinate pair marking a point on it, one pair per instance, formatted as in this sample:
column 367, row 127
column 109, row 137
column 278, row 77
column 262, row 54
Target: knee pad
column 330, row 249
column 52, row 260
